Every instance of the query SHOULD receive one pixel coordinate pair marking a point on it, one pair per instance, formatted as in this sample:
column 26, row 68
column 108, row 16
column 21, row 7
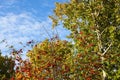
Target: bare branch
column 107, row 49
column 47, row 32
column 103, row 31
column 99, row 41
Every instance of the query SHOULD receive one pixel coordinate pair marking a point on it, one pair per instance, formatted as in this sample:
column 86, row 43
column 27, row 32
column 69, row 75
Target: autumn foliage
column 48, row 60
column 6, row 67
column 93, row 52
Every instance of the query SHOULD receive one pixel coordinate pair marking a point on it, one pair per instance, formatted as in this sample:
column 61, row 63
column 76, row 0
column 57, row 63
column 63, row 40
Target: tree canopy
column 6, row 67
column 95, row 30
column 94, row 27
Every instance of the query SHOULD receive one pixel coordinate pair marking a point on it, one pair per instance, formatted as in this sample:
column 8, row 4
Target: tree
column 6, row 67
column 94, row 27
column 48, row 60
column 95, row 30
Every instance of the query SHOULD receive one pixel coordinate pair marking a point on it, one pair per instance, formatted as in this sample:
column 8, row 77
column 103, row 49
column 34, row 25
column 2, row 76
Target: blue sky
column 25, row 20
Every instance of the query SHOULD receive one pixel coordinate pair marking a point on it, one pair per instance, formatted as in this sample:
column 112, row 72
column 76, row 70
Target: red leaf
column 50, row 78
column 12, row 78
column 81, row 32
column 41, row 78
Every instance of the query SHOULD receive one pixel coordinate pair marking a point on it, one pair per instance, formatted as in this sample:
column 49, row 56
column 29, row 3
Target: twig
column 47, row 32
column 107, row 49
column 103, row 31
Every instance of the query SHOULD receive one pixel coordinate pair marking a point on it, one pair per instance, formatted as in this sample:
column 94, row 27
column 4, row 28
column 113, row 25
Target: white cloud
column 23, row 27
column 17, row 28
column 8, row 2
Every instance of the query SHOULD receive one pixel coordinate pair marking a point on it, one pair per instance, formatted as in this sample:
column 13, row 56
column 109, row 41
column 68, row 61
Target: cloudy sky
column 25, row 20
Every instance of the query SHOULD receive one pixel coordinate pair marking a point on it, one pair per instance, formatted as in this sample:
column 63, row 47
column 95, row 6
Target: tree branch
column 107, row 49
column 103, row 31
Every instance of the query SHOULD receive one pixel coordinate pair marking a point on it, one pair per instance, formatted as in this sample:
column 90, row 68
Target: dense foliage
column 95, row 30
column 93, row 54
column 6, row 67
column 47, row 60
